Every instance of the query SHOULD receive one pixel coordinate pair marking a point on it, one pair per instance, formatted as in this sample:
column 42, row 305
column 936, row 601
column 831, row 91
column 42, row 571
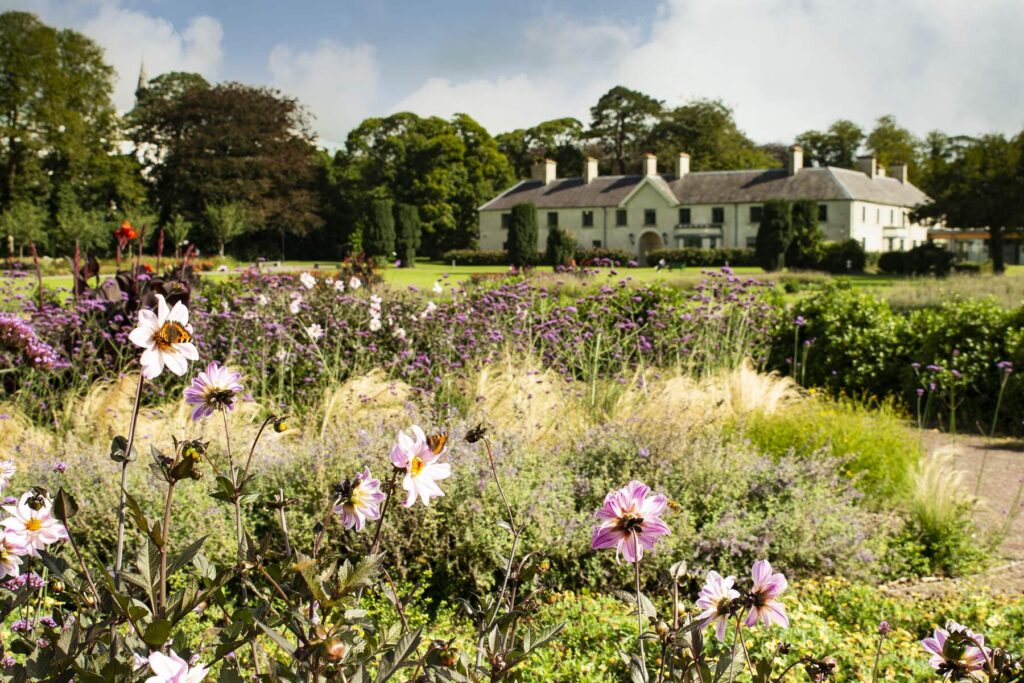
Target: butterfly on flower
column 172, row 332
column 437, row 442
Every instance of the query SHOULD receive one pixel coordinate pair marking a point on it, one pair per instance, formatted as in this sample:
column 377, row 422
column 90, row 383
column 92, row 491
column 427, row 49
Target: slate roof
column 819, row 184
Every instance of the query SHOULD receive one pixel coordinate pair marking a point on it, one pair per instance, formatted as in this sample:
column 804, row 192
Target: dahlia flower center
column 416, row 466
column 33, row 524
column 632, row 523
column 356, row 497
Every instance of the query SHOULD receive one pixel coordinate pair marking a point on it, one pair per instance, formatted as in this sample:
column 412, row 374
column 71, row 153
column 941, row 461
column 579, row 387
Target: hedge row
column 481, row 257
column 703, row 258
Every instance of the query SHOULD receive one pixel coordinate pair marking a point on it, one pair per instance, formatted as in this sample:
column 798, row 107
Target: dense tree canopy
column 837, row 146
column 620, row 123
column 560, row 139
column 891, row 144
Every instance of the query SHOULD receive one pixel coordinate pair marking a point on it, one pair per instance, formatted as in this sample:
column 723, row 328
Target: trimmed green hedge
column 703, row 258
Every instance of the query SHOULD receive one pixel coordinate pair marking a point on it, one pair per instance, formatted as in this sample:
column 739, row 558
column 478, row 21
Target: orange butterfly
column 172, row 333
column 437, row 442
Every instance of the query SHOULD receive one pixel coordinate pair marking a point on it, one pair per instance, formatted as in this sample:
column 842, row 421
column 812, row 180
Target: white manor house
column 640, row 213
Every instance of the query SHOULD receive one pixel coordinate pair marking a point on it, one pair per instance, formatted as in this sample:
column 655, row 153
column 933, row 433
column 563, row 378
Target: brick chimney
column 796, row 160
column 683, row 167
column 544, row 171
column 590, row 170
column 650, row 165
column 898, row 171
column 868, row 165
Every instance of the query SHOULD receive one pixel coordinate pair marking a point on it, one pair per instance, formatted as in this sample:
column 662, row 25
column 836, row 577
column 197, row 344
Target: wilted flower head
column 630, row 521
column 957, row 652
column 717, row 598
column 419, row 460
column 213, row 389
column 767, row 587
column 166, row 337
column 173, row 669
column 359, row 499
column 32, row 523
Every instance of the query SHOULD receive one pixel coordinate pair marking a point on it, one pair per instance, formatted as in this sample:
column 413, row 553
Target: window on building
column 684, row 216
column 552, row 219
column 504, row 246
column 864, row 214
column 823, row 213
column 596, row 244
column 892, row 216
column 588, row 219
column 712, row 243
column 718, row 214
column 751, row 242
column 506, row 221
column 620, row 218
column 755, row 214
column 901, row 245
column 691, row 242
column 650, row 217
column 878, row 215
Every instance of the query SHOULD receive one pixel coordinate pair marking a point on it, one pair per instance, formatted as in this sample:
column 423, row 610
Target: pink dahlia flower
column 952, row 655
column 630, row 521
column 173, row 669
column 11, row 551
column 213, row 389
column 767, row 587
column 715, row 599
column 33, row 525
column 422, row 471
column 359, row 500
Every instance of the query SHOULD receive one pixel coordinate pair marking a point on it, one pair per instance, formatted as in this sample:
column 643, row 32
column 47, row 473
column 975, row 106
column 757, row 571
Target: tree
column 557, row 139
column 522, row 235
column 379, row 230
column 177, row 230
column 773, row 235
column 21, row 223
column 892, row 144
column 707, row 131
column 76, row 224
column 407, row 233
column 804, row 250
column 561, row 247
column 226, row 222
column 837, row 146
column 57, row 121
column 620, row 121
column 233, row 144
column 981, row 185
column 447, row 169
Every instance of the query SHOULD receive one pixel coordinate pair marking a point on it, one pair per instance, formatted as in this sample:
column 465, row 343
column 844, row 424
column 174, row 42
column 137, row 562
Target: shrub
column 704, row 258
column 379, row 229
column 407, row 233
column 476, row 257
column 843, row 257
column 804, row 250
column 522, row 235
column 924, row 259
column 892, row 262
column 561, row 248
column 774, row 234
column 586, row 257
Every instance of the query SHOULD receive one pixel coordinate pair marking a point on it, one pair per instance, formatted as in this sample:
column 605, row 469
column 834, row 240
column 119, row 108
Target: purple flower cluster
column 18, row 338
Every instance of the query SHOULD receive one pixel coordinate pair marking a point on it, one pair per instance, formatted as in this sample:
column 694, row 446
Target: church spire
column 143, row 80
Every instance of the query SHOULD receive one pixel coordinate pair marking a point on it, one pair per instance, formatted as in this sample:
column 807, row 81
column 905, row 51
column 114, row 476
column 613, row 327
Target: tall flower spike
column 166, row 337
column 422, row 469
column 627, row 514
column 213, row 389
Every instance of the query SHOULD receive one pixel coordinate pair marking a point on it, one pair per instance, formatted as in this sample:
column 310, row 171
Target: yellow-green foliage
column 878, row 448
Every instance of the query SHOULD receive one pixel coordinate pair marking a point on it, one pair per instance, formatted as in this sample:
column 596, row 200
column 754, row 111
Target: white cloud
column 129, row 37
column 784, row 65
column 337, row 83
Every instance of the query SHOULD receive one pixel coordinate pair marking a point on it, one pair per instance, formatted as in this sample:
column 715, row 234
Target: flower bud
column 661, row 628
column 280, row 424
column 447, row 657
column 334, row 650
column 56, row 585
column 476, row 433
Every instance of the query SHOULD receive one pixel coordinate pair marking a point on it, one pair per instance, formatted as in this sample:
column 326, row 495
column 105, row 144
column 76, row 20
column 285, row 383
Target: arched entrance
column 649, row 241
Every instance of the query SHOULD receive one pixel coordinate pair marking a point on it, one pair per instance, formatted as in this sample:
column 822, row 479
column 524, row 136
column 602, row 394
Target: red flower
column 126, row 232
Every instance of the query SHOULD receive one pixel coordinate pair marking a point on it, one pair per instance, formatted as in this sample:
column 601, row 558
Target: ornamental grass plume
column 422, row 470
column 166, row 337
column 359, row 499
column 630, row 521
column 212, row 390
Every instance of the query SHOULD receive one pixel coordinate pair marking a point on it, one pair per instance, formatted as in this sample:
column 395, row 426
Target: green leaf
column 281, row 641
column 157, row 633
column 118, row 449
column 185, row 556
column 404, row 649
column 64, row 506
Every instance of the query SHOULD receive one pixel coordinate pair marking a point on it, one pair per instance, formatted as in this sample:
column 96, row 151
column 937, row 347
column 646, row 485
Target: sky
column 785, row 66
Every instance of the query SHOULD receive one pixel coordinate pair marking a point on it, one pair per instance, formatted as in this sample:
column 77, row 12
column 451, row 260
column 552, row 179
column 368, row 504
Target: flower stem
column 743, row 644
column 991, row 433
column 639, row 606
column 878, row 656
column 375, row 546
column 165, row 537
column 119, row 559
